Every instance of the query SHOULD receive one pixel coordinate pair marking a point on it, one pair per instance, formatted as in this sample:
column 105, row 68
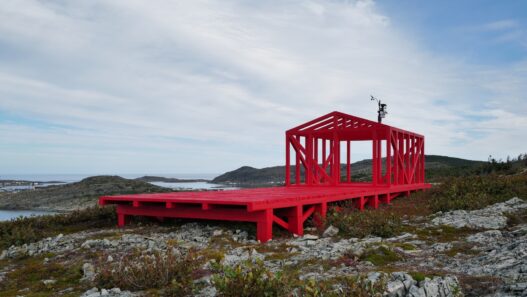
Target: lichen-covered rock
column 115, row 292
column 491, row 217
column 485, row 237
column 330, row 231
column 88, row 272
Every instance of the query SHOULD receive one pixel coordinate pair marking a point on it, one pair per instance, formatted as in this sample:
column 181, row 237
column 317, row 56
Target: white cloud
column 197, row 86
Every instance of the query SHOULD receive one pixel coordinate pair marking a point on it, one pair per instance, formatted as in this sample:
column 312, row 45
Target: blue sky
column 207, row 86
column 482, row 32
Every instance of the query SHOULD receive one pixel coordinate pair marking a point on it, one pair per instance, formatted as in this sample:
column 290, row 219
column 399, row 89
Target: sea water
column 6, row 215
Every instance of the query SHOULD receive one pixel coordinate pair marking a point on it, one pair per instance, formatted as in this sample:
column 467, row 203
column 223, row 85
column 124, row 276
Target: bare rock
column 330, row 231
column 88, row 272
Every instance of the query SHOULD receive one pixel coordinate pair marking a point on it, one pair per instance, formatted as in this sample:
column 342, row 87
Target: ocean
column 6, row 215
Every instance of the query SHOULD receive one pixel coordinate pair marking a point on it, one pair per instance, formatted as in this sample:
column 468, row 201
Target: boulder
column 330, row 231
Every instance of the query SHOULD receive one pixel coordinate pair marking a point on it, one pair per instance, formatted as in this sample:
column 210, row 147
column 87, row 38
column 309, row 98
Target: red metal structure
column 316, row 148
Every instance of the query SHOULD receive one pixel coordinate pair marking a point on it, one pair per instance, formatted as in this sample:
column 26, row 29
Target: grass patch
column 355, row 285
column 380, row 256
column 516, row 218
column 462, row 248
column 418, row 276
column 405, row 246
column 474, row 192
column 476, row 286
column 442, row 233
column 30, row 273
column 30, row 229
column 354, row 223
column 250, row 280
column 168, row 271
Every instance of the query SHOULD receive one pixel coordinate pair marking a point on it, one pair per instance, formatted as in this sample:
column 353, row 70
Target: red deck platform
column 316, row 183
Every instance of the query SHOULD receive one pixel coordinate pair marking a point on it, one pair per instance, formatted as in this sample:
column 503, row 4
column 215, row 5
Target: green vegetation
column 249, row 280
column 167, row 271
column 516, row 218
column 380, row 255
column 354, row 223
column 442, row 233
column 473, row 192
column 253, row 279
column 32, row 271
column 356, row 286
column 31, row 229
column 418, row 276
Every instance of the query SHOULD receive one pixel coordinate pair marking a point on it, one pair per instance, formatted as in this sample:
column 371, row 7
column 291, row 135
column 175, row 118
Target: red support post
column 320, row 213
column 359, row 203
column 264, row 225
column 295, row 220
column 348, row 161
column 309, row 160
column 373, row 201
column 121, row 219
column 287, row 160
column 315, row 171
column 297, row 163
column 389, row 160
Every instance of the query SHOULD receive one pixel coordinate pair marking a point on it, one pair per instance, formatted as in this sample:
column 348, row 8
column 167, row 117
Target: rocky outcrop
column 115, row 292
column 491, row 217
column 497, row 253
column 402, row 284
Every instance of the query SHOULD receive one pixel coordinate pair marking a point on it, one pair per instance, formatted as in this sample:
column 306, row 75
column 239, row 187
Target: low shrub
column 356, row 223
column 474, row 192
column 30, row 229
column 159, row 270
column 30, row 272
column 249, row 280
column 380, row 256
column 351, row 285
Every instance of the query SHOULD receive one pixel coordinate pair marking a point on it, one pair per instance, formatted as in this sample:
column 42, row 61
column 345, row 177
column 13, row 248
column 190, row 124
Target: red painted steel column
column 324, row 157
column 423, row 171
column 348, row 161
column 379, row 162
column 294, row 219
column 320, row 213
column 401, row 155
column 373, row 201
column 297, row 162
column 121, row 217
column 315, row 172
column 359, row 203
column 407, row 159
column 287, row 160
column 264, row 225
column 395, row 158
column 336, row 159
column 385, row 198
column 309, row 160
column 389, row 158
column 374, row 162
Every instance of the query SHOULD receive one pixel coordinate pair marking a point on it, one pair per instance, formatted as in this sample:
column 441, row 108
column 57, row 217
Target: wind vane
column 381, row 113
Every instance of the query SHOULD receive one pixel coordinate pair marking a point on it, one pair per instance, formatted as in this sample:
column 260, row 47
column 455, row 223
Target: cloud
column 500, row 25
column 206, row 86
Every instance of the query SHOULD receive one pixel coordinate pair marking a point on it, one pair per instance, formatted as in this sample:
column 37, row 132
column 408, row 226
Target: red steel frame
column 318, row 179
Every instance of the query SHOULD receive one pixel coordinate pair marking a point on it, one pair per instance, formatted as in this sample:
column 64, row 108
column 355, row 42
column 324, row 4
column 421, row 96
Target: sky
column 205, row 86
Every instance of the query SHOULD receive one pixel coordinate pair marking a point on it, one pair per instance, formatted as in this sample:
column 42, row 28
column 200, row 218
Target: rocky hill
column 435, row 166
column 149, row 179
column 75, row 195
